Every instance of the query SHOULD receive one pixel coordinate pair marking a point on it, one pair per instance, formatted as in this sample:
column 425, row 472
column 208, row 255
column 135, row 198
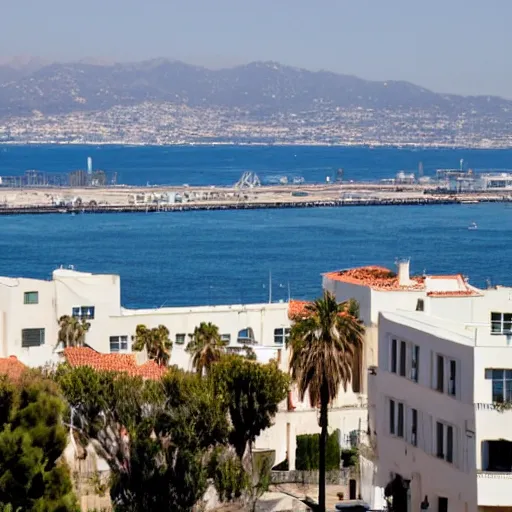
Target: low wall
column 336, row 477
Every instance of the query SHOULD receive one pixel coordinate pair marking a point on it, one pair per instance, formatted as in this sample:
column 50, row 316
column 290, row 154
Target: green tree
column 156, row 342
column 252, row 393
column 155, row 436
column 323, row 347
column 72, row 331
column 206, row 347
column 32, row 439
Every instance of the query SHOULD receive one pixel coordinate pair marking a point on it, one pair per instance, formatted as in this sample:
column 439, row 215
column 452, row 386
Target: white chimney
column 403, row 273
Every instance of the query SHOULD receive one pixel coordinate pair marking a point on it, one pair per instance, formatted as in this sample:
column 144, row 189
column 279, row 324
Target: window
column 420, row 305
column 281, row 335
column 396, row 418
column 501, row 384
column 246, row 336
column 452, row 382
column 118, row 343
column 84, row 312
column 440, row 374
column 415, row 363
column 226, row 338
column 180, row 339
column 501, row 323
column 392, row 427
column 31, row 298
column 449, row 444
column 400, row 423
column 403, row 358
column 32, row 337
column 445, row 442
column 414, row 427
column 440, row 440
column 445, row 375
column 394, row 344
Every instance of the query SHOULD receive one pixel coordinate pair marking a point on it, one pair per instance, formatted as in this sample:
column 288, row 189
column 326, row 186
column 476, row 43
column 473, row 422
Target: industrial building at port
column 430, row 395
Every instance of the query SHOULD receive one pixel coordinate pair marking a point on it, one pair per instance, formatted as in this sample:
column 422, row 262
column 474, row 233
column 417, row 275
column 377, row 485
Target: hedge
column 306, row 454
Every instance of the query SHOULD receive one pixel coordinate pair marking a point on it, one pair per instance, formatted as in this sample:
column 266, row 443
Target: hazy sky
column 460, row 46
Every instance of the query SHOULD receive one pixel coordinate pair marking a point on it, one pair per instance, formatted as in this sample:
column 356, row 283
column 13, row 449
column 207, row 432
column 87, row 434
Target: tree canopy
column 206, row 347
column 72, row 331
column 252, row 393
column 32, row 439
column 155, row 341
column 154, row 435
column 323, row 347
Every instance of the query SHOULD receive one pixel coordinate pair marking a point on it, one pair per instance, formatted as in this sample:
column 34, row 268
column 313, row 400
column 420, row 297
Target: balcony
column 492, row 421
column 494, row 489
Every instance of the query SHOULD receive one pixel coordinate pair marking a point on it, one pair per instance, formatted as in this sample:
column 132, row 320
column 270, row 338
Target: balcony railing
column 492, row 407
column 494, row 474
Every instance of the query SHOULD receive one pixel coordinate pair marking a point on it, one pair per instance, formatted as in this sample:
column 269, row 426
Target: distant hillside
column 260, row 88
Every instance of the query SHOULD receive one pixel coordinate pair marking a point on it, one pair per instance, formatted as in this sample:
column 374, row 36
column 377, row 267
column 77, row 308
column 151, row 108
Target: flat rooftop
column 383, row 279
column 434, row 326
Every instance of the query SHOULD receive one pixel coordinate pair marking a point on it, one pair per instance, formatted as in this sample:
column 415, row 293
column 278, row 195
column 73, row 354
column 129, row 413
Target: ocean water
column 219, row 257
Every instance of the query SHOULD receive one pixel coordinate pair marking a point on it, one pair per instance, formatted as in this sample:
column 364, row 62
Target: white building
column 442, row 356
column 30, row 309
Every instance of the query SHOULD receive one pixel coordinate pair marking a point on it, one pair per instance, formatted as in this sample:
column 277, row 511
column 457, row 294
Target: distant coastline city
column 258, row 103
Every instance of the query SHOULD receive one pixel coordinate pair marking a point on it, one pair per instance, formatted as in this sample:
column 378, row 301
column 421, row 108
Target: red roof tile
column 85, row 356
column 378, row 278
column 297, row 309
column 12, row 367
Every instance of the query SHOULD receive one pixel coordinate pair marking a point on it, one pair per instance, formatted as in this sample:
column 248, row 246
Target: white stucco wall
column 429, row 475
column 70, row 289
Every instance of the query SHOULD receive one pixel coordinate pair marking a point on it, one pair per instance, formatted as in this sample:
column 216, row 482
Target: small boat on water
column 472, row 226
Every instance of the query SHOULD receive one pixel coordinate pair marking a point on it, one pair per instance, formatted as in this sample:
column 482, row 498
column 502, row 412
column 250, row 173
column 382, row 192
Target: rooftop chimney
column 403, row 272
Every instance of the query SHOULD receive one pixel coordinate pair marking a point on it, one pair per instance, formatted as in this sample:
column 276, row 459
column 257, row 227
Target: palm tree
column 156, row 342
column 206, row 346
column 72, row 331
column 323, row 345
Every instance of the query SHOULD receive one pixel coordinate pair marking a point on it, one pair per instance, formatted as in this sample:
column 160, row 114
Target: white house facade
column 444, row 366
column 30, row 309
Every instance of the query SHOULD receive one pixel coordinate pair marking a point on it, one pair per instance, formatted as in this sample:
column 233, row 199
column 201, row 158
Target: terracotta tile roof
column 12, row 367
column 297, row 309
column 85, row 356
column 376, row 277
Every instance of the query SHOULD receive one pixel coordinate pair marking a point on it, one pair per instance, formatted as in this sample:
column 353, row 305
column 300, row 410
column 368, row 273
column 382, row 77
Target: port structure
column 79, row 178
column 249, row 179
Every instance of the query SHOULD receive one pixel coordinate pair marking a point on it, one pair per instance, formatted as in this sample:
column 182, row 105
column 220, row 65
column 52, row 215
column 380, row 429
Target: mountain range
column 261, row 89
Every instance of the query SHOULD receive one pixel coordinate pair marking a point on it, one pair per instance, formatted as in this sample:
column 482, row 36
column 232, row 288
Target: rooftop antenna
column 289, row 293
column 270, row 287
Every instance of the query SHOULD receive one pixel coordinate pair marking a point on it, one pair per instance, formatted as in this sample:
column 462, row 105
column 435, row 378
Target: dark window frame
column 32, row 332
column 122, row 343
column 28, row 301
column 84, row 312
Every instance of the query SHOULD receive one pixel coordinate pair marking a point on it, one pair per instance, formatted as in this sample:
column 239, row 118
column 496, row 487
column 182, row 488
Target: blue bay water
column 191, row 258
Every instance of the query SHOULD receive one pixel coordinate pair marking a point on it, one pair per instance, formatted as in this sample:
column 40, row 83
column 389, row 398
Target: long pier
column 245, row 205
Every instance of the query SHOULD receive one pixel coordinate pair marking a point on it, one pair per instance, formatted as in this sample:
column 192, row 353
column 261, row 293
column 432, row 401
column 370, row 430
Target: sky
column 456, row 46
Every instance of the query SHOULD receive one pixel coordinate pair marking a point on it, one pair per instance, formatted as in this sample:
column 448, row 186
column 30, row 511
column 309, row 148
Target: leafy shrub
column 307, row 452
column 229, row 476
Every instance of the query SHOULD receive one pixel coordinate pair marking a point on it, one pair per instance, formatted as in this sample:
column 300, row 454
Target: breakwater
column 181, row 207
